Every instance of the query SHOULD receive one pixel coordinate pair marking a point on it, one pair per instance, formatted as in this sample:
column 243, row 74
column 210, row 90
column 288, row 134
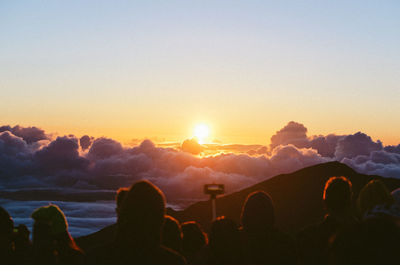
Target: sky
column 154, row 69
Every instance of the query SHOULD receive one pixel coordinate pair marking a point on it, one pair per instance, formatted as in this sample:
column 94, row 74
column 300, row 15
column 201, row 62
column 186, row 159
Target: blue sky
column 133, row 69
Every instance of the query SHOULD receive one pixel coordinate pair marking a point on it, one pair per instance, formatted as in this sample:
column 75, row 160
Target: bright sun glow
column 201, row 132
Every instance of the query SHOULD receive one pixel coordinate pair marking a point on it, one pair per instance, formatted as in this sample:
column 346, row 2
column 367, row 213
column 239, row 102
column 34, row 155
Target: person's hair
column 52, row 226
column 338, row 194
column 119, row 198
column 373, row 194
column 142, row 214
column 193, row 237
column 224, row 241
column 258, row 212
column 171, row 236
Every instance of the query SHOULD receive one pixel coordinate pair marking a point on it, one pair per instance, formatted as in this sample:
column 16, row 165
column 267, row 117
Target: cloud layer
column 30, row 160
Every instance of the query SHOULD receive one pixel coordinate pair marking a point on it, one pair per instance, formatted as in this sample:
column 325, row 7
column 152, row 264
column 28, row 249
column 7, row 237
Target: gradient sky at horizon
column 136, row 69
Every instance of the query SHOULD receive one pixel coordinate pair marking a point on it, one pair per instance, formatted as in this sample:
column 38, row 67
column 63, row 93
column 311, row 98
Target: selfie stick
column 213, row 190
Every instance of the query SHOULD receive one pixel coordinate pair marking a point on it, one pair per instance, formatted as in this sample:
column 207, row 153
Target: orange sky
column 141, row 70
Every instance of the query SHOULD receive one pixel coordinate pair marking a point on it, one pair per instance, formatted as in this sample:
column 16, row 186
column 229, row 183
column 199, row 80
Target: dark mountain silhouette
column 297, row 197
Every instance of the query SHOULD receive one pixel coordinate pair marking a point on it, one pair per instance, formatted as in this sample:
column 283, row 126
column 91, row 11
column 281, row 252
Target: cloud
column 59, row 165
column 192, row 146
column 296, row 134
column 356, row 144
column 108, row 164
column 103, row 148
column 85, row 142
column 12, row 145
column 290, row 158
column 15, row 156
column 392, row 149
column 83, row 217
column 29, row 134
column 293, row 133
column 60, row 156
column 380, row 163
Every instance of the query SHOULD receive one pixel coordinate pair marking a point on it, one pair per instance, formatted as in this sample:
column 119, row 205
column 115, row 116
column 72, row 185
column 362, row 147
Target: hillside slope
column 297, row 196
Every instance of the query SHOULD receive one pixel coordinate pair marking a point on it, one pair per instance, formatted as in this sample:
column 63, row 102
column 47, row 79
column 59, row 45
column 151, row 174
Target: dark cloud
column 380, row 163
column 85, row 141
column 61, row 156
column 29, row 134
column 12, row 145
column 15, row 157
column 392, row 149
column 293, row 133
column 356, row 144
column 325, row 145
column 103, row 148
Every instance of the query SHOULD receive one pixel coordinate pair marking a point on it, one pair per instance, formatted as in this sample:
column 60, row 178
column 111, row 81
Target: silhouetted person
column 21, row 239
column 224, row 243
column 375, row 241
column 263, row 243
column 193, row 242
column 95, row 242
column 23, row 245
column 314, row 241
column 172, row 234
column 121, row 195
column 138, row 239
column 373, row 194
column 6, row 238
column 52, row 244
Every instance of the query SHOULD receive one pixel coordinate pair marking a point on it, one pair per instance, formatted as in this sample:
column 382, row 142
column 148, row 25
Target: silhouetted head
column 258, row 212
column 194, row 239
column 51, row 228
column 21, row 240
column 121, row 195
column 171, row 234
column 338, row 195
column 49, row 222
column 6, row 228
column 224, row 241
column 373, row 194
column 142, row 214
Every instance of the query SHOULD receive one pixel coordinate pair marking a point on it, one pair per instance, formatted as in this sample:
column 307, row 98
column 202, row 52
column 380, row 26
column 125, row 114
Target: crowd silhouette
column 361, row 231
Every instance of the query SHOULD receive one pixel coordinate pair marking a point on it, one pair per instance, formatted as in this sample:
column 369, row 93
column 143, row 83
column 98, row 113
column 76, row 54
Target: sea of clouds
column 32, row 160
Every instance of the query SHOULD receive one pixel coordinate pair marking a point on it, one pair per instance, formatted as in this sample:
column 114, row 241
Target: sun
column 201, row 132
